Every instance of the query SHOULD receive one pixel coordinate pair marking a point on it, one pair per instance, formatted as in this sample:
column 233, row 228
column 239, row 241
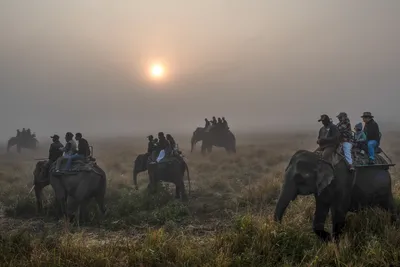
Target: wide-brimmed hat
column 324, row 117
column 367, row 115
column 55, row 137
column 342, row 114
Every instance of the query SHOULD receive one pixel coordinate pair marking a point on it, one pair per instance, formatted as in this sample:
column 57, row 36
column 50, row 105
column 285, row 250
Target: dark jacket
column 371, row 129
column 163, row 144
column 83, row 148
column 54, row 151
column 329, row 136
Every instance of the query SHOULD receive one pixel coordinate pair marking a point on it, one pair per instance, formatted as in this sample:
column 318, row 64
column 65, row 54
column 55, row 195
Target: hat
column 324, row 117
column 367, row 115
column 55, row 137
column 342, row 114
column 69, row 134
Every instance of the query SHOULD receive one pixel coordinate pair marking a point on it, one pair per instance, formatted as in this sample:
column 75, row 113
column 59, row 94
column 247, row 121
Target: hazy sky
column 81, row 65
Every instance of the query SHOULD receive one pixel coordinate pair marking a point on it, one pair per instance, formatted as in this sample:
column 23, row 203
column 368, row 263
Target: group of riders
column 331, row 136
column 365, row 139
column 70, row 152
column 162, row 147
column 25, row 135
column 218, row 124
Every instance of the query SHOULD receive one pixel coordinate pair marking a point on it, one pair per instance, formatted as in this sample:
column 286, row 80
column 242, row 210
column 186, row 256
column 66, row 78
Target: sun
column 157, row 71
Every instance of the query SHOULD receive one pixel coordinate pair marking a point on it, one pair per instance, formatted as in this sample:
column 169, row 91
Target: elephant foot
column 323, row 235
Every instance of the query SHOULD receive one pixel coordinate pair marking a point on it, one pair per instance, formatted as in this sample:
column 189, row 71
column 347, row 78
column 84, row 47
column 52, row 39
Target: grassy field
column 227, row 221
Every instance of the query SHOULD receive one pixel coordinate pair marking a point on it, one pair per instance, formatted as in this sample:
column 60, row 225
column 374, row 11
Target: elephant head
column 196, row 137
column 40, row 181
column 306, row 174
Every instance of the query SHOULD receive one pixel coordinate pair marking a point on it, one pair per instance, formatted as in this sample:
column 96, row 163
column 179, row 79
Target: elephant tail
column 188, row 176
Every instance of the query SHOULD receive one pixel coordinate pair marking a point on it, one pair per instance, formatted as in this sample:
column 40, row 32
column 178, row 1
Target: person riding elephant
column 334, row 189
column 372, row 132
column 151, row 146
column 18, row 133
column 55, row 149
column 225, row 123
column 208, row 123
column 162, row 147
column 69, row 149
column 328, row 137
column 214, row 121
column 346, row 137
column 82, row 153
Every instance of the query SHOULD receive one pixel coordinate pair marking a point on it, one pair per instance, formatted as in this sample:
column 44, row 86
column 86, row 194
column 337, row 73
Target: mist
column 264, row 65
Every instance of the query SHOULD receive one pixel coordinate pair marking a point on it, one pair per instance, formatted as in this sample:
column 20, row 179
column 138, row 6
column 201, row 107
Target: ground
column 227, row 221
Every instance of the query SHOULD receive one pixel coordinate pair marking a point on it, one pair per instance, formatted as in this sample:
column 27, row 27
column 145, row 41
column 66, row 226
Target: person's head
column 342, row 116
column 68, row 136
column 325, row 120
column 78, row 136
column 169, row 137
column 150, row 138
column 161, row 135
column 55, row 138
column 367, row 116
column 358, row 127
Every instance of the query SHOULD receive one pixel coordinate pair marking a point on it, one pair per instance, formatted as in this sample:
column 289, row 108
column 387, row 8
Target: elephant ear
column 325, row 175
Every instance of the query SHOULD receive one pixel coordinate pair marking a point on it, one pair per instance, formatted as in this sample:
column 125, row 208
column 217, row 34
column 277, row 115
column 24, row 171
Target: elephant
column 214, row 137
column 140, row 165
column 173, row 170
column 29, row 144
column 78, row 188
column 335, row 188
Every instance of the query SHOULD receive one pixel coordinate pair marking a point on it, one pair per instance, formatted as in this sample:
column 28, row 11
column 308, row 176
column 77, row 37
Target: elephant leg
column 182, row 189
column 389, row 206
column 83, row 211
column 321, row 212
column 338, row 222
column 79, row 197
column 101, row 205
column 72, row 206
column 203, row 148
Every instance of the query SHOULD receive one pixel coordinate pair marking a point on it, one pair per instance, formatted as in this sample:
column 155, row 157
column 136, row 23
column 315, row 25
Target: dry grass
column 227, row 221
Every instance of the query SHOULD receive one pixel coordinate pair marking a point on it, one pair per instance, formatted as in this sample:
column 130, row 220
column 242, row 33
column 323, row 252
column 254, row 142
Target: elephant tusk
column 31, row 190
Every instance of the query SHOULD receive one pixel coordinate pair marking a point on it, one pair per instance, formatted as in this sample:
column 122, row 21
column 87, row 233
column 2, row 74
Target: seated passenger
column 163, row 145
column 82, row 153
column 173, row 144
column 360, row 139
column 344, row 128
column 372, row 132
column 69, row 149
column 54, row 151
column 328, row 138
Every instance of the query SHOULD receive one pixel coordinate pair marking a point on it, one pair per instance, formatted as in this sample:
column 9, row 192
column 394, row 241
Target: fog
column 264, row 65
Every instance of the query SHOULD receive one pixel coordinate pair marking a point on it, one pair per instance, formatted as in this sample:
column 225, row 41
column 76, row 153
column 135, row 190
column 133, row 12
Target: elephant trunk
column 288, row 193
column 193, row 143
column 135, row 173
column 38, row 194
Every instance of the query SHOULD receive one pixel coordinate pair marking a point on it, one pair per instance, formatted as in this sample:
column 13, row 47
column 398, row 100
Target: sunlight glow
column 157, row 71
